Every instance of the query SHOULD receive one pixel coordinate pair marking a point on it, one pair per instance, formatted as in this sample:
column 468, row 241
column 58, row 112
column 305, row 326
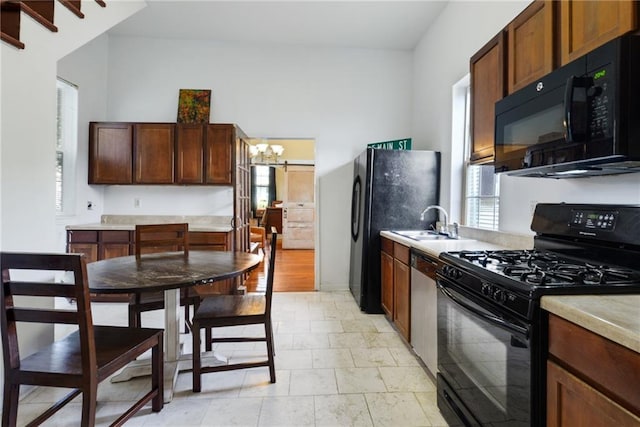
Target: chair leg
column 270, row 353
column 186, row 318
column 157, row 376
column 208, row 337
column 133, row 318
column 10, row 404
column 89, row 399
column 196, row 357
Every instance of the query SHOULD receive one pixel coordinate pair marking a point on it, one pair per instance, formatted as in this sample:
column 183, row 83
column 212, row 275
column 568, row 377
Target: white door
column 298, row 214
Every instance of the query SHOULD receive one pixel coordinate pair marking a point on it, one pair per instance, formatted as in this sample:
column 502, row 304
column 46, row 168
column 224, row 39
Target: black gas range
column 491, row 332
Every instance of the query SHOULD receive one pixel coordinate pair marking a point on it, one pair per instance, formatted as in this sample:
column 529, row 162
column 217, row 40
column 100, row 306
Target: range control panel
column 593, row 220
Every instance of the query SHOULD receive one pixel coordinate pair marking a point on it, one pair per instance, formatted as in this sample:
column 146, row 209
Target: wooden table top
column 166, row 270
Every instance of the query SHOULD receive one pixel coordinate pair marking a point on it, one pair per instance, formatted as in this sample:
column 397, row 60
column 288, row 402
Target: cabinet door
column 90, row 250
column 531, row 41
column 386, row 279
column 487, row 87
column 113, row 250
column 190, row 153
column 572, row 402
column 402, row 298
column 153, row 153
column 585, row 25
column 110, row 153
column 218, row 152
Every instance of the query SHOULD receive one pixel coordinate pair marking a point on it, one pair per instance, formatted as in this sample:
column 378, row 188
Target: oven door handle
column 486, row 316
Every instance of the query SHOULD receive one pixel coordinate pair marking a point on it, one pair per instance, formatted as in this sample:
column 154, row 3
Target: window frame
column 67, row 99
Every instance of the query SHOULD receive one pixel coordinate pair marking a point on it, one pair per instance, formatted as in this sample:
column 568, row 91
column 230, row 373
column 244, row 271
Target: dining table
column 168, row 272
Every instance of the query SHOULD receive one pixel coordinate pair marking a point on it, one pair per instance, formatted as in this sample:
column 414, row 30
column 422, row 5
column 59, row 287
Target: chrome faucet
column 444, row 229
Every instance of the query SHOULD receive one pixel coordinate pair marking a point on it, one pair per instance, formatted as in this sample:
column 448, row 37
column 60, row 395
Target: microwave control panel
column 600, row 96
column 593, row 220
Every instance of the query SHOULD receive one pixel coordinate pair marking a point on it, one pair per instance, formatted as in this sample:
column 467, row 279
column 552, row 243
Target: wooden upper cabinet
column 487, row 87
column 585, row 25
column 219, row 154
column 153, row 153
column 110, row 153
column 190, row 153
column 531, row 41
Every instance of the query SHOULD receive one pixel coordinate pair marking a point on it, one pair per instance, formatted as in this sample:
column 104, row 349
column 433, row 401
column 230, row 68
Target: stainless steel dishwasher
column 424, row 310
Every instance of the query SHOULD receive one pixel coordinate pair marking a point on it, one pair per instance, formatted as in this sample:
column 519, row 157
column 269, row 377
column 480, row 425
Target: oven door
column 484, row 362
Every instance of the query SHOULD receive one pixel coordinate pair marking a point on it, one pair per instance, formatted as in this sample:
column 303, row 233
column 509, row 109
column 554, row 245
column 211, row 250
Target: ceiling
column 351, row 24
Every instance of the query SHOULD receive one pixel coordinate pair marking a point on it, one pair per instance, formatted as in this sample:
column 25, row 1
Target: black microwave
column 582, row 119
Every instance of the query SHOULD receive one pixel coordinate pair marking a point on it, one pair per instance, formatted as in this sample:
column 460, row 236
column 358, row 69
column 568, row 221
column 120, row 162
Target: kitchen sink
column 424, row 235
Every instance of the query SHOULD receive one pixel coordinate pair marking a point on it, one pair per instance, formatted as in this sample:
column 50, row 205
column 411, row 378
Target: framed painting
column 194, row 105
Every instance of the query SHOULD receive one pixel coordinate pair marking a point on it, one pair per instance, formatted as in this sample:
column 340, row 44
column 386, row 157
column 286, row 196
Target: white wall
column 27, row 147
column 441, row 59
column 343, row 98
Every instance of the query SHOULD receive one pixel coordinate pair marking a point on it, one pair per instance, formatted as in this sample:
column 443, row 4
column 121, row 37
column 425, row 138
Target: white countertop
column 434, row 247
column 201, row 223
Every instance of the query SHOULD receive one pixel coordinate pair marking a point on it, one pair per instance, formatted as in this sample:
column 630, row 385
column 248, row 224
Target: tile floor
column 335, row 366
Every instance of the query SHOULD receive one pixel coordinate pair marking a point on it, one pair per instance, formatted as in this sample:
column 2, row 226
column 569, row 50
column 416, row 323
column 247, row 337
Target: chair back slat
column 43, row 266
column 271, row 270
column 161, row 238
column 42, row 316
column 41, row 289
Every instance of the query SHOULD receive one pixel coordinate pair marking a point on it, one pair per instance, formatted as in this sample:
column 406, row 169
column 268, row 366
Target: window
column 261, row 187
column 66, row 143
column 481, row 185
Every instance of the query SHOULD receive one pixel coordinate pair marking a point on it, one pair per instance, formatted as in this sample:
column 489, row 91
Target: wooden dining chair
column 83, row 358
column 235, row 310
column 152, row 238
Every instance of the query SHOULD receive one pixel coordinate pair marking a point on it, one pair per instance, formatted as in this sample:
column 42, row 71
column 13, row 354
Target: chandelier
column 265, row 153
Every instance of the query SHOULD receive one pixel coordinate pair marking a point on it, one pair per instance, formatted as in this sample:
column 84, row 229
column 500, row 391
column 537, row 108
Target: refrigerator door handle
column 355, row 208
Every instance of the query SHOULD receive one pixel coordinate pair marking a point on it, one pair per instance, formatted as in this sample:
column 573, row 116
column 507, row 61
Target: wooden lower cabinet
column 402, row 290
column 90, row 250
column 395, row 277
column 573, row 402
column 590, row 380
column 386, row 276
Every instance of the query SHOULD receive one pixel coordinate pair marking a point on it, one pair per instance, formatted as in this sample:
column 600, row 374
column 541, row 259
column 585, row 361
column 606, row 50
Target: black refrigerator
column 391, row 188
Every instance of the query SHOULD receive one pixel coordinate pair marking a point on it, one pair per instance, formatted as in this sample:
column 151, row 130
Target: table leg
column 174, row 362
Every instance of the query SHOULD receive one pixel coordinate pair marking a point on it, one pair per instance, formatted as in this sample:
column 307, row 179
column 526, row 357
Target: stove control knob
column 500, row 296
column 486, row 289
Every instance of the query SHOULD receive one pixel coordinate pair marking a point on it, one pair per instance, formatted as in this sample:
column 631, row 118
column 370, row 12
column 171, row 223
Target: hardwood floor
column 294, row 272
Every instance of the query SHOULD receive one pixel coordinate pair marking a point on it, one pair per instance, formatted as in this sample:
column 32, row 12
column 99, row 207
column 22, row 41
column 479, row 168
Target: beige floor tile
column 257, row 383
column 359, row 380
column 396, row 409
column 293, row 411
column 406, row 379
column 336, row 366
column 342, row 410
column 231, row 412
column 332, row 358
column 372, row 357
column 347, row 340
column 312, row 382
column 310, row 341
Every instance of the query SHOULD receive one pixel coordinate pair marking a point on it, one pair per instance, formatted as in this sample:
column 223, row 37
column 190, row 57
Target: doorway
column 280, row 160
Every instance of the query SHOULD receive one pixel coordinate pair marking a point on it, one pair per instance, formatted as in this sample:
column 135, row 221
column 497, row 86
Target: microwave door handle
column 568, row 104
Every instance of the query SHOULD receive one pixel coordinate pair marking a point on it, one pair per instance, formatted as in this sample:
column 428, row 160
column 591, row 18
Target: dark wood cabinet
column 487, row 87
column 190, row 153
column 386, row 276
column 213, row 241
column 153, row 148
column 531, row 38
column 590, row 379
column 585, row 25
column 402, row 290
column 219, row 153
column 110, row 153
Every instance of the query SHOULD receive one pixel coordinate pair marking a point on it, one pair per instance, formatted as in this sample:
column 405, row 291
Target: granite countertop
column 615, row 317
column 205, row 223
